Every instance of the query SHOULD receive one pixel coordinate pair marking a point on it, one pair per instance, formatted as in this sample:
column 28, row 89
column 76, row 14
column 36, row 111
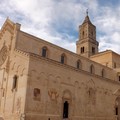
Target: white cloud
column 108, row 27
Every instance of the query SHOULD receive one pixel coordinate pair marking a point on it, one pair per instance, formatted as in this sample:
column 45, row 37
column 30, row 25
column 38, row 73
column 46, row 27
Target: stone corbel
column 117, row 92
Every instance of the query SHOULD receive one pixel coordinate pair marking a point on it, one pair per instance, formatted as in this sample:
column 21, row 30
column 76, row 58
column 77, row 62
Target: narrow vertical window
column 44, row 52
column 116, row 110
column 119, row 77
column 63, row 59
column 83, row 49
column 102, row 72
column 114, row 65
column 93, row 50
column 15, row 80
column 92, row 70
column 65, row 109
column 78, row 65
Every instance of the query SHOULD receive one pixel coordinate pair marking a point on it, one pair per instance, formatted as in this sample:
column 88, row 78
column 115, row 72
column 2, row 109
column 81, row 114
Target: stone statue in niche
column 3, row 54
column 36, row 94
column 18, row 105
column 7, row 65
column 53, row 94
column 91, row 93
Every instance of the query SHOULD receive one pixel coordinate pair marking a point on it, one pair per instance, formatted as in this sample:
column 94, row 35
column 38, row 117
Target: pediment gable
column 8, row 25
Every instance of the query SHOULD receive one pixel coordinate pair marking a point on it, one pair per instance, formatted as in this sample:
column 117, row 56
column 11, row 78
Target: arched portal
column 66, row 104
column 65, row 109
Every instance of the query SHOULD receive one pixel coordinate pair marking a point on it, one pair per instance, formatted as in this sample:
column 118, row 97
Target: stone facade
column 41, row 81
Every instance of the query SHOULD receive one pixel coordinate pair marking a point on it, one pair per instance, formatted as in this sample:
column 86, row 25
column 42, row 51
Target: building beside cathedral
column 42, row 81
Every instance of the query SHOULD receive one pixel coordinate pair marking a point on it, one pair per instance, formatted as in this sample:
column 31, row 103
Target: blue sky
column 57, row 21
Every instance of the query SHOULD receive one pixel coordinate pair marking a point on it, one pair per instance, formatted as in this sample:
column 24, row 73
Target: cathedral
column 42, row 81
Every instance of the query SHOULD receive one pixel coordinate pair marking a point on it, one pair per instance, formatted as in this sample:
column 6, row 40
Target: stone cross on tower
column 87, row 12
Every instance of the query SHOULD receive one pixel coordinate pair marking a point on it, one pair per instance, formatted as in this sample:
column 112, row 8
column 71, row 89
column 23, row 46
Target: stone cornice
column 84, row 41
column 22, row 52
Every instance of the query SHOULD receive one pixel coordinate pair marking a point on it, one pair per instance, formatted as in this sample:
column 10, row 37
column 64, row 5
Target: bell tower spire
column 87, row 44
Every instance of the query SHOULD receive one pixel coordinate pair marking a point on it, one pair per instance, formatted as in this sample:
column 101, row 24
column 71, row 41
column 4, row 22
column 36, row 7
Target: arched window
column 92, row 69
column 44, row 52
column 82, row 49
column 15, row 82
column 63, row 58
column 78, row 64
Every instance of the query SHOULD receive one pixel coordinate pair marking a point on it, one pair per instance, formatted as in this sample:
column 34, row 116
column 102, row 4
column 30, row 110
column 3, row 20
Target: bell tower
column 87, row 44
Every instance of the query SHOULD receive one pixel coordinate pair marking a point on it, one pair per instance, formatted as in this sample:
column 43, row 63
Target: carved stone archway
column 66, row 104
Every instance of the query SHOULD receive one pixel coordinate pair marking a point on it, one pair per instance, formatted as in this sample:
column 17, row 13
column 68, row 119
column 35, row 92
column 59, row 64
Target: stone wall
column 89, row 96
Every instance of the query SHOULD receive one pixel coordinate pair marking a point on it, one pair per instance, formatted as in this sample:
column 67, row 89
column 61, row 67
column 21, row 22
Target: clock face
column 3, row 55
